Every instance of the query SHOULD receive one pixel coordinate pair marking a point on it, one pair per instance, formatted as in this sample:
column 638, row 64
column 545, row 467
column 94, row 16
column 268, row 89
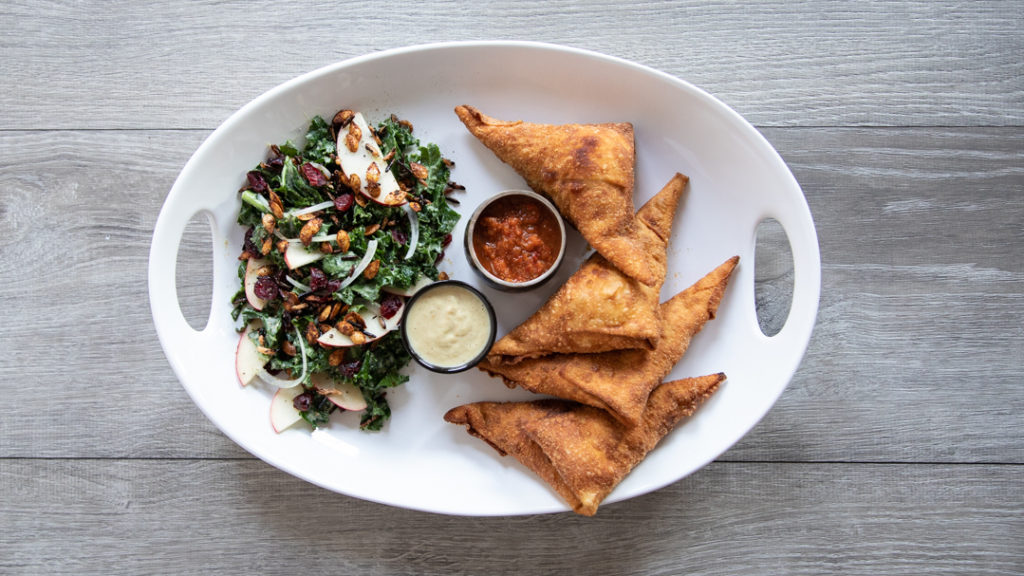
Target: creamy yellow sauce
column 448, row 326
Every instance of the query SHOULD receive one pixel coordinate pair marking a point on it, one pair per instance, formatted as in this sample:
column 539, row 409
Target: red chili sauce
column 517, row 238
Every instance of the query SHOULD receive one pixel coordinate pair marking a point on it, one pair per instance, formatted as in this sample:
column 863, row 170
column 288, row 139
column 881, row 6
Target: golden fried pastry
column 586, row 169
column 620, row 381
column 582, row 452
column 599, row 308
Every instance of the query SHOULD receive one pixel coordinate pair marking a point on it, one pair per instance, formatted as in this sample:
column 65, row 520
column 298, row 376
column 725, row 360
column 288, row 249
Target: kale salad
column 339, row 232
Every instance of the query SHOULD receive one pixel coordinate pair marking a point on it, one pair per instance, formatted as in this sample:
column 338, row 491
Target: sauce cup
column 515, row 240
column 448, row 326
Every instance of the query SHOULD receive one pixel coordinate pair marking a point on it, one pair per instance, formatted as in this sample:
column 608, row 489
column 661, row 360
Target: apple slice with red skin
column 344, row 395
column 376, row 324
column 283, row 414
column 297, row 255
column 252, row 267
column 248, row 359
column 366, row 154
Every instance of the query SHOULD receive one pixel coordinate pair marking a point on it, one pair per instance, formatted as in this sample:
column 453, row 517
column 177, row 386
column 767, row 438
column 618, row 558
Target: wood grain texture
column 916, row 355
column 825, row 63
column 898, row 448
column 241, row 517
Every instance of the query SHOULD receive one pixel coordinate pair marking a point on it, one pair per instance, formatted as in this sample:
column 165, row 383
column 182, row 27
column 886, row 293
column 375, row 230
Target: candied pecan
column 442, row 276
column 419, row 170
column 358, row 338
column 312, row 333
column 325, row 313
column 351, row 140
column 343, row 241
column 355, row 320
column 267, row 245
column 415, row 206
column 371, row 271
column 336, row 357
column 361, row 200
column 371, row 229
column 309, row 230
column 276, row 207
column 288, row 348
column 373, row 189
column 306, row 217
column 343, row 117
column 325, row 247
column 269, row 223
column 354, row 182
column 353, row 137
column 373, row 173
column 264, row 350
column 282, row 246
column 345, row 328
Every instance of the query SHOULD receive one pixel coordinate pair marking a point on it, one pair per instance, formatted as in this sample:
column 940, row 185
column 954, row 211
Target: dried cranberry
column 447, row 240
column 275, row 164
column 334, row 284
column 390, row 305
column 256, row 182
column 248, row 245
column 399, row 236
column 439, row 258
column 350, row 369
column 343, row 202
column 317, row 279
column 313, row 175
column 265, row 288
column 303, row 402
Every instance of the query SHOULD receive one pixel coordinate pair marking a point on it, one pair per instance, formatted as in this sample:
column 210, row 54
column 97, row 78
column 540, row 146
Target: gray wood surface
column 897, row 448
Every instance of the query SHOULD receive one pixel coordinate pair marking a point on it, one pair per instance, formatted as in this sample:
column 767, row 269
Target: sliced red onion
column 311, row 209
column 280, row 382
column 371, row 249
column 414, row 230
column 297, row 284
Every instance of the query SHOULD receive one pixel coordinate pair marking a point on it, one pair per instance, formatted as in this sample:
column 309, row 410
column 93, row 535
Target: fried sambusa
column 580, row 451
column 599, row 308
column 588, row 172
column 620, row 381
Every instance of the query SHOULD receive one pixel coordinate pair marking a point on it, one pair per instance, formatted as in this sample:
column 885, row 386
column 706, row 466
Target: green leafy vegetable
column 296, row 299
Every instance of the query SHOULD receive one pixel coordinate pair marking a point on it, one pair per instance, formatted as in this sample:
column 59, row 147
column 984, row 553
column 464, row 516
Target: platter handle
column 174, row 330
column 803, row 242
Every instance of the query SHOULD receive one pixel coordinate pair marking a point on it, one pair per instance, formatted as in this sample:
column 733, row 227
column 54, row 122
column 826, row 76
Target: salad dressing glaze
column 448, row 326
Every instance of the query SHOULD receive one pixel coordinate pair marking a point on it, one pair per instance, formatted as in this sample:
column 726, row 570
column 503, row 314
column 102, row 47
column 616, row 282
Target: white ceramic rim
column 179, row 340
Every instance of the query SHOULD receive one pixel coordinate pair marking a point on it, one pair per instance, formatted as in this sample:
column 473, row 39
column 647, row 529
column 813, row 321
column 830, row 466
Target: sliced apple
column 344, row 395
column 252, row 266
column 248, row 360
column 376, row 326
column 297, row 255
column 367, row 157
column 420, row 284
column 282, row 408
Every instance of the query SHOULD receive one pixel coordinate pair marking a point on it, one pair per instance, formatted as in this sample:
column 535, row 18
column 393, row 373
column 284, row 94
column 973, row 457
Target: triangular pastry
column 586, row 169
column 599, row 308
column 620, row 381
column 582, row 452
